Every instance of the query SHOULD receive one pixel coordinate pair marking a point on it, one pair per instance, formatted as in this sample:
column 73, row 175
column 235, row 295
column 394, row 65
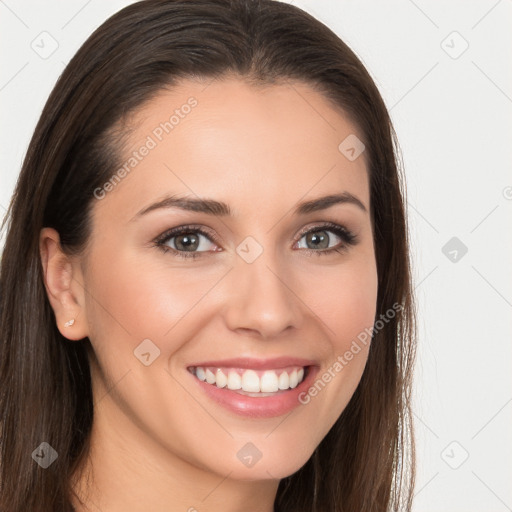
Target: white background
column 453, row 117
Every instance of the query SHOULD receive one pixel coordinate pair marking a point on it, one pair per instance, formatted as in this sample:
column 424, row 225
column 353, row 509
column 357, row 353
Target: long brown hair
column 366, row 461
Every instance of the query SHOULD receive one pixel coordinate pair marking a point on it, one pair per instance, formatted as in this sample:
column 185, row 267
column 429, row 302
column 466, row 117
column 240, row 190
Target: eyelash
column 348, row 239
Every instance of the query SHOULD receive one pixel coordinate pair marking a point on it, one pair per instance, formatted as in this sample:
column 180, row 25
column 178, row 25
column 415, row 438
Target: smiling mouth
column 257, row 383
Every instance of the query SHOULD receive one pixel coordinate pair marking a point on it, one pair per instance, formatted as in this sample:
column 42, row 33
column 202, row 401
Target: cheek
column 345, row 301
column 133, row 298
column 344, row 298
column 352, row 308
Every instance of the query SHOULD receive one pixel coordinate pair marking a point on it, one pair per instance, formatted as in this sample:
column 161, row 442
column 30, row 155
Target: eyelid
column 176, row 231
column 324, row 225
column 347, row 236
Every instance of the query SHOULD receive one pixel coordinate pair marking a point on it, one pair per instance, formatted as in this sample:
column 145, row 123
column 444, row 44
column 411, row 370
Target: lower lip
column 258, row 407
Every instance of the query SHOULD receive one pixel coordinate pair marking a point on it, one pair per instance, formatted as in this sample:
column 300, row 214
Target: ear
column 64, row 285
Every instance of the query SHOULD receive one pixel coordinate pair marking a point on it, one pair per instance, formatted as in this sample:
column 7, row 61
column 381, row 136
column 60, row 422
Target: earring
column 69, row 323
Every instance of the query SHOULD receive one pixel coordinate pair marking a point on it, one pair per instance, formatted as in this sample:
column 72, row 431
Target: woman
column 206, row 291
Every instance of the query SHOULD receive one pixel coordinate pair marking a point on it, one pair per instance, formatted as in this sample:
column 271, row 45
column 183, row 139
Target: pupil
column 191, row 241
column 187, row 242
column 323, row 240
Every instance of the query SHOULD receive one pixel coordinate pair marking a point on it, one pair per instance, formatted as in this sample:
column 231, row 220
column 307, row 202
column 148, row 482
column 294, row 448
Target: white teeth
column 210, row 377
column 200, row 373
column 293, row 379
column 250, row 381
column 284, row 381
column 220, row 379
column 269, row 382
column 234, row 380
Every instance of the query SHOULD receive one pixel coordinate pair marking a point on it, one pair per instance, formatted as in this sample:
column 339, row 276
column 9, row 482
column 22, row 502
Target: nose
column 260, row 298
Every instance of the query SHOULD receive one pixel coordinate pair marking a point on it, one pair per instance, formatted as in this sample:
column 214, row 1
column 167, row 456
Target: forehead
column 252, row 147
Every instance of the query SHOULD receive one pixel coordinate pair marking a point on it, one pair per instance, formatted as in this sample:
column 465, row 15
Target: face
column 266, row 288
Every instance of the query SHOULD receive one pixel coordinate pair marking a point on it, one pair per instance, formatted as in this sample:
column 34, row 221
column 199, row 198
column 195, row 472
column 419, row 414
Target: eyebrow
column 219, row 208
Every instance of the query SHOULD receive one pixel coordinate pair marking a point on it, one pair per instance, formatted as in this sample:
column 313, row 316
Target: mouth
column 255, row 388
column 251, row 382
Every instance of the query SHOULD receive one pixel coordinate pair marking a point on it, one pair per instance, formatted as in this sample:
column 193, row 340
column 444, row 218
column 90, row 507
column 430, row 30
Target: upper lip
column 257, row 364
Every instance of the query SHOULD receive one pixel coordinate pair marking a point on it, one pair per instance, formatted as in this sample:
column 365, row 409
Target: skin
column 157, row 443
